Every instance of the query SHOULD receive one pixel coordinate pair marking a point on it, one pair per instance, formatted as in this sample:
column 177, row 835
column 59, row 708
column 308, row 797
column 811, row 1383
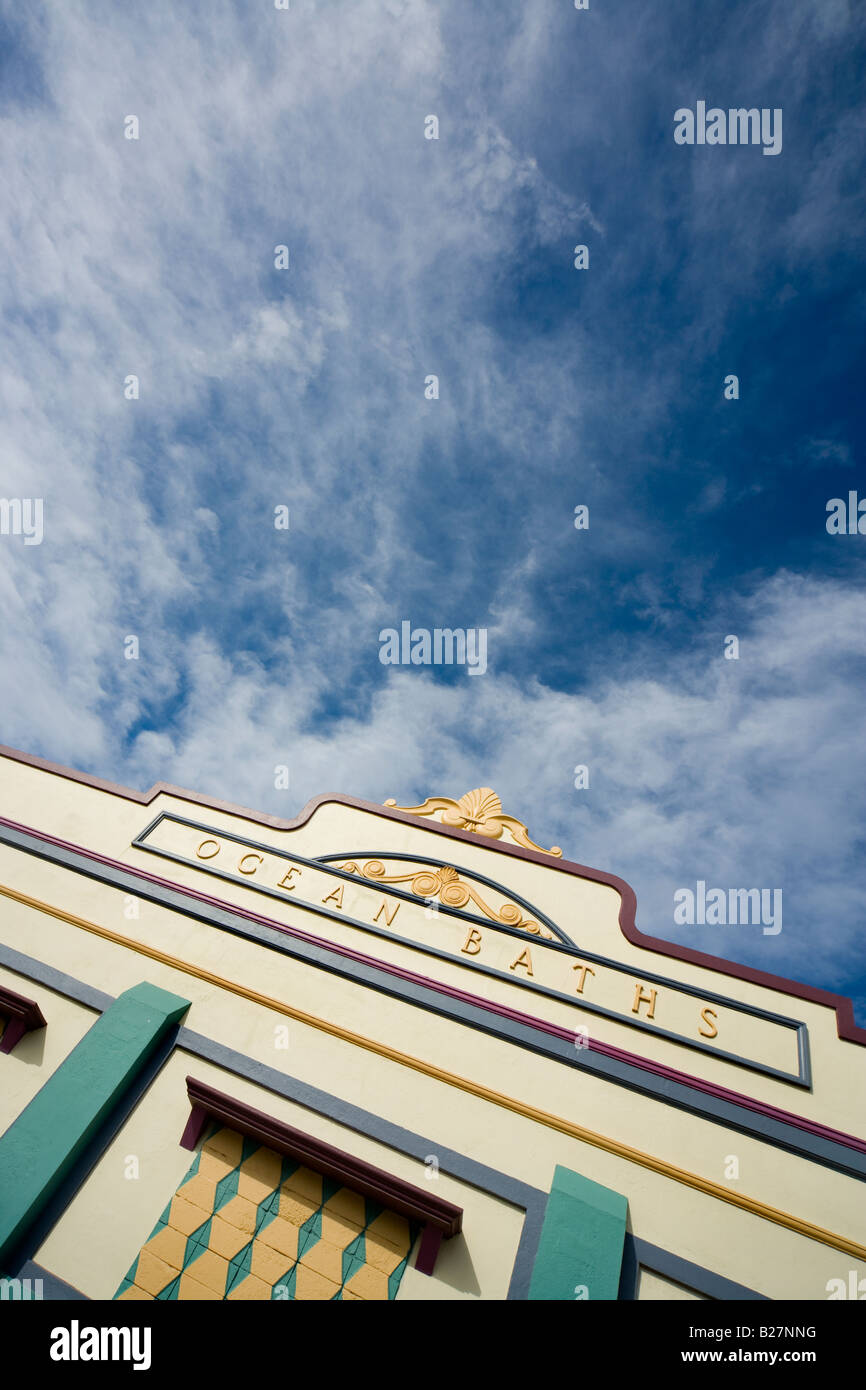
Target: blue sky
column 558, row 387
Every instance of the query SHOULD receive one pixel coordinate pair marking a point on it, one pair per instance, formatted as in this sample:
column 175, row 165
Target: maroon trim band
column 439, row 1219
column 490, row 1006
column 22, row 1016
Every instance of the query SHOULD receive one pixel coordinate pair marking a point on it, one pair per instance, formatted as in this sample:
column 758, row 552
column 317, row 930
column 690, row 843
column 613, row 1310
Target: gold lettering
column 336, row 897
column 200, row 851
column 584, row 971
column 383, row 907
column 524, row 959
column 641, row 996
column 289, row 886
column 472, row 945
column 710, row 1024
column 241, row 862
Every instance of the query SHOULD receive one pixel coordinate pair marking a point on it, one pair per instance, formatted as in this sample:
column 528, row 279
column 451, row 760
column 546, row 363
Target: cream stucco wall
column 656, row 1287
column 477, row 1083
column 699, row 1227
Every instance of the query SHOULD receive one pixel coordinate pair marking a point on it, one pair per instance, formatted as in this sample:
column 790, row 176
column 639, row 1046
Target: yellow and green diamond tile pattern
column 247, row 1223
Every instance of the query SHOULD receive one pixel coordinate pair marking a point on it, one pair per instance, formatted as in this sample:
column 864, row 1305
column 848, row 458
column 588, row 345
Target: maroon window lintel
column 22, row 1016
column 438, row 1218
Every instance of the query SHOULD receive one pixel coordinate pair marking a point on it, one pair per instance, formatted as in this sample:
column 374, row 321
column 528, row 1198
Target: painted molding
column 22, row 1016
column 580, row 1251
column 437, row 1217
column 40, row 1148
column 846, row 1026
column 556, row 1122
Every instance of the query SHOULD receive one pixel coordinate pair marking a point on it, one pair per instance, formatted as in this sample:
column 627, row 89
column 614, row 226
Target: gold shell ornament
column 479, row 811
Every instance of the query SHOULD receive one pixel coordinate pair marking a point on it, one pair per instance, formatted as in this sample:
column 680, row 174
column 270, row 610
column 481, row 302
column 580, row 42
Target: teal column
column 41, row 1146
column 582, row 1238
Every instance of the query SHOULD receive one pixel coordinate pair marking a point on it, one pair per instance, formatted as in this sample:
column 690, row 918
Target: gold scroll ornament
column 447, row 885
column 479, row 811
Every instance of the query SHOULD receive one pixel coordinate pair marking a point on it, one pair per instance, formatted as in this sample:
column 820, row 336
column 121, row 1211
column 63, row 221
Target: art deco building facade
column 380, row 1053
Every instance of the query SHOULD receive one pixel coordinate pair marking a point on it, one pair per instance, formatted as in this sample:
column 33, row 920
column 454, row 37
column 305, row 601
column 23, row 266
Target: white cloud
column 155, row 258
column 740, row 773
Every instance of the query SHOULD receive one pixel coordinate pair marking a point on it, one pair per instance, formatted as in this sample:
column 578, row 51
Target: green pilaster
column 40, row 1147
column 581, row 1241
